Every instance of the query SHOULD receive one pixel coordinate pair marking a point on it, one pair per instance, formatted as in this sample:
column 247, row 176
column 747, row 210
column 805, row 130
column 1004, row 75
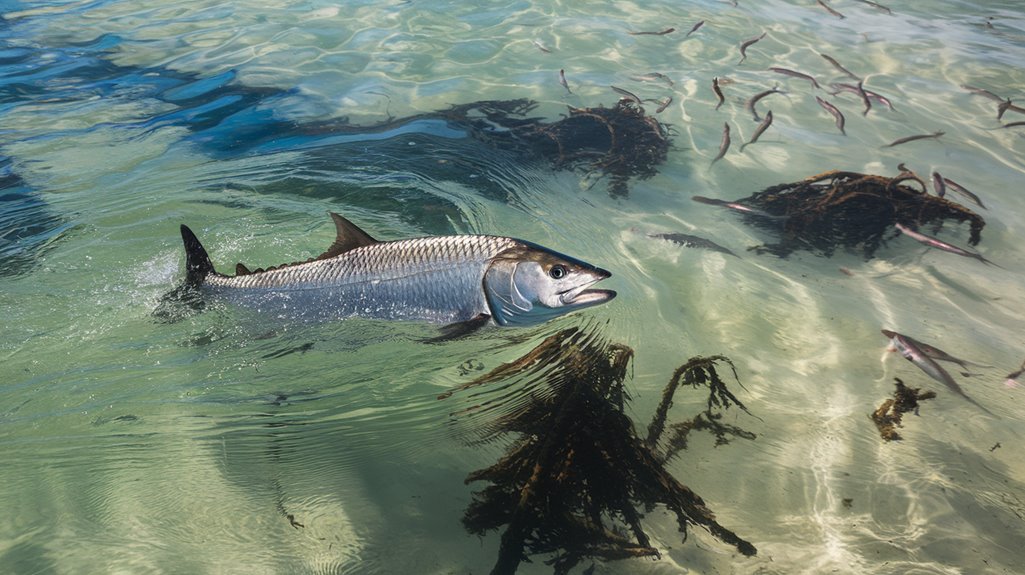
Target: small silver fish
column 689, row 241
column 938, row 185
column 982, row 92
column 746, row 44
column 695, row 28
column 963, row 191
column 795, row 74
column 830, row 9
column 650, row 76
column 465, row 279
column 750, row 106
column 937, row 353
column 940, row 244
column 841, row 87
column 907, row 139
column 875, row 5
column 562, row 80
column 724, row 145
column 659, row 33
column 542, row 47
column 627, row 95
column 759, row 130
column 913, row 353
column 879, row 98
column 840, row 67
column 837, row 115
column 864, row 97
column 662, row 105
column 737, row 206
column 718, row 92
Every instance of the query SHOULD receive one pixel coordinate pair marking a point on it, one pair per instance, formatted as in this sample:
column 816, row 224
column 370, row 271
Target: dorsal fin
column 349, row 237
column 241, row 269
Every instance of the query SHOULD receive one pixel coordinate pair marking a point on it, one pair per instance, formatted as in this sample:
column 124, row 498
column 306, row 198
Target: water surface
column 131, row 445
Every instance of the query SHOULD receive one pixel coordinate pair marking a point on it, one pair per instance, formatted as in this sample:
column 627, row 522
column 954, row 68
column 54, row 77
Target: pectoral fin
column 460, row 329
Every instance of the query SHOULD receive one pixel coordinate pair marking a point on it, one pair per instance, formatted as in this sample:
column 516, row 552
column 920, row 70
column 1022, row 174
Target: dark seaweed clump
column 850, row 210
column 576, row 477
column 697, row 372
column 888, row 416
column 619, row 142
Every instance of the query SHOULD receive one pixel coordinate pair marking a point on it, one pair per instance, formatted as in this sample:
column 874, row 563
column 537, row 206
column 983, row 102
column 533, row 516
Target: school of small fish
column 835, row 95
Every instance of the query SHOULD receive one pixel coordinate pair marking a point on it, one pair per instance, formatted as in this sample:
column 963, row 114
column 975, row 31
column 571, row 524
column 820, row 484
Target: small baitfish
column 464, row 280
column 689, row 241
column 910, row 349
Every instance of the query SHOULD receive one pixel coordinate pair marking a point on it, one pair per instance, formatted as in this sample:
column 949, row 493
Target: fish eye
column 557, row 272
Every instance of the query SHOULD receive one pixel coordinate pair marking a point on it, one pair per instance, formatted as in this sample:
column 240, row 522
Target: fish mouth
column 589, row 297
column 581, row 296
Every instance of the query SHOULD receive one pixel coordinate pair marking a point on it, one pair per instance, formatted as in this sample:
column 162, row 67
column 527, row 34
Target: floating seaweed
column 571, row 483
column 889, row 415
column 619, row 142
column 850, row 210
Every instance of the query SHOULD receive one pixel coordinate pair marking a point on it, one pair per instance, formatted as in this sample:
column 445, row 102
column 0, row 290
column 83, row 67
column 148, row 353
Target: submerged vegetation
column 618, row 142
column 697, row 372
column 850, row 210
column 889, row 415
column 577, row 478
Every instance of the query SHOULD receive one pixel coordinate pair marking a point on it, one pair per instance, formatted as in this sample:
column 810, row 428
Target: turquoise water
column 135, row 446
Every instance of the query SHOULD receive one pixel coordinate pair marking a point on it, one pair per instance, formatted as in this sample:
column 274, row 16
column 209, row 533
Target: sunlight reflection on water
column 136, row 445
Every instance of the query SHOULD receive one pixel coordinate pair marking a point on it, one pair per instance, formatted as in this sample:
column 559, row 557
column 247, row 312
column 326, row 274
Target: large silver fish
column 465, row 279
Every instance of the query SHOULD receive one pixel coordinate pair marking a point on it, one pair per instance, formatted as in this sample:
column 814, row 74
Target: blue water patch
column 101, row 43
column 198, row 88
column 26, row 223
column 13, row 55
column 400, row 161
column 230, row 130
column 34, row 75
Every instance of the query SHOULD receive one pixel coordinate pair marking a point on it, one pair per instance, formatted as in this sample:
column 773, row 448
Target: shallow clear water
column 135, row 446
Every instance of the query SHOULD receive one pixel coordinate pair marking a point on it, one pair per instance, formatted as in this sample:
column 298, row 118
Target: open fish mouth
column 587, row 297
column 581, row 296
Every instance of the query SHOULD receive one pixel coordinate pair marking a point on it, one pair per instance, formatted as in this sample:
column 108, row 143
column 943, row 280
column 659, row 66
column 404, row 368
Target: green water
column 135, row 446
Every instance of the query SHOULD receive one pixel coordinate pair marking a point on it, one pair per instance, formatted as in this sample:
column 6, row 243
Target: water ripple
column 227, row 440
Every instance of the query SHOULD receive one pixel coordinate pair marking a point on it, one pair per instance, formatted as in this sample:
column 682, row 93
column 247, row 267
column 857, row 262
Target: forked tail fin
column 197, row 262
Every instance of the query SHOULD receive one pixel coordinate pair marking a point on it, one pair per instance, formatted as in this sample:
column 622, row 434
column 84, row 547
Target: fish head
column 528, row 284
column 892, row 335
column 901, row 344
